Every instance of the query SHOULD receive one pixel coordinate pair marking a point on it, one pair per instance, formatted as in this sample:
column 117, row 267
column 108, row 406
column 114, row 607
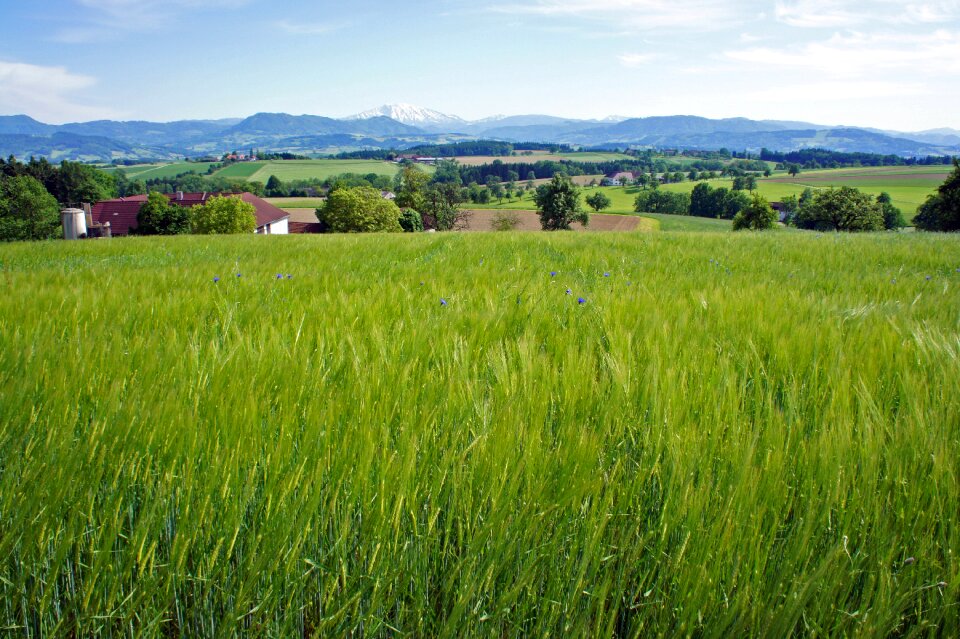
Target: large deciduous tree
column 941, row 212
column 558, row 204
column 359, row 210
column 756, row 216
column 842, row 209
column 27, row 210
column 158, row 216
column 223, row 215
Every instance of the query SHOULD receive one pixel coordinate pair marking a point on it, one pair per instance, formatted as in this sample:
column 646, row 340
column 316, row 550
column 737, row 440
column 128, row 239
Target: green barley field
column 288, row 170
column 712, row 434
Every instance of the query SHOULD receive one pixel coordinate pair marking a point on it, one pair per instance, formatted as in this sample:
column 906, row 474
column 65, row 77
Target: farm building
column 122, row 213
column 618, row 179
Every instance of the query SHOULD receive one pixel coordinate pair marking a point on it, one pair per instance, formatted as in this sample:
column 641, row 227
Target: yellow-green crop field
column 481, row 435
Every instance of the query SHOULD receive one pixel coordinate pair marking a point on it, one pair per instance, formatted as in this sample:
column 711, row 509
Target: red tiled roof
column 122, row 213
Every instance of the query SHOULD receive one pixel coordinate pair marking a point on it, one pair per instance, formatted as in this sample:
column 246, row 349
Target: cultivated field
column 491, row 435
column 287, row 170
column 151, row 171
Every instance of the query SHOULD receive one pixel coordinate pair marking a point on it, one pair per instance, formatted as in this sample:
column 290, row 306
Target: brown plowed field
column 482, row 220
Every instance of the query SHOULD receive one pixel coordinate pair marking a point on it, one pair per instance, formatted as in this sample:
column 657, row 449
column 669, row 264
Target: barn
column 121, row 213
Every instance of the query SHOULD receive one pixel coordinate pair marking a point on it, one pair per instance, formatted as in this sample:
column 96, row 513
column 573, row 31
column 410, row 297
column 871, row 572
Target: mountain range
column 403, row 126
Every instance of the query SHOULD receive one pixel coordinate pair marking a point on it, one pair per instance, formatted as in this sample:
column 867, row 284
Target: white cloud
column 46, row 93
column 859, row 54
column 637, row 15
column 852, row 13
column 635, row 60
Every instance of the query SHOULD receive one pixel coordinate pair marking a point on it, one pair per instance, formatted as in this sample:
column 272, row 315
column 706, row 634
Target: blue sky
column 884, row 63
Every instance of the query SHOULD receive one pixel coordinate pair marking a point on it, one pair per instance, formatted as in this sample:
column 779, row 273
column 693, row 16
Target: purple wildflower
column 289, row 277
column 569, row 292
column 553, row 273
column 279, row 276
column 606, row 275
column 580, row 300
column 238, row 274
column 216, row 279
column 929, row 278
column 443, row 302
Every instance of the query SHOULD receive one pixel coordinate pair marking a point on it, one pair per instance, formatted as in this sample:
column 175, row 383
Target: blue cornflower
column 569, row 292
column 929, row 278
column 289, row 277
column 580, row 300
column 216, row 279
column 443, row 302
column 238, row 274
column 279, row 276
column 606, row 275
column 553, row 273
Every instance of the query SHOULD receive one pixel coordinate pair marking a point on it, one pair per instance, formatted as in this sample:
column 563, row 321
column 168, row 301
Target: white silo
column 74, row 224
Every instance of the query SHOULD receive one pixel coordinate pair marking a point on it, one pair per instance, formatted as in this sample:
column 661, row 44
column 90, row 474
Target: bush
column 842, row 209
column 158, row 216
column 411, row 221
column 558, row 204
column 505, row 220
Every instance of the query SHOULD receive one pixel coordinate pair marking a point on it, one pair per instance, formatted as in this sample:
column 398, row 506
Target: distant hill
column 108, row 140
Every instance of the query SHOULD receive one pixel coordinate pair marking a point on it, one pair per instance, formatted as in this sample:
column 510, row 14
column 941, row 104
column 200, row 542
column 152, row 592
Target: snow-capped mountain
column 411, row 115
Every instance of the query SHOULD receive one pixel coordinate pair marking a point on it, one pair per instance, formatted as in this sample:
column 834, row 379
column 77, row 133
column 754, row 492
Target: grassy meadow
column 711, row 434
column 288, row 170
column 167, row 170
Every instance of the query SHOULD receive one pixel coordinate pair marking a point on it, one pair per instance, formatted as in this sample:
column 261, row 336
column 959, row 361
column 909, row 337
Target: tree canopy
column 756, row 216
column 941, row 212
column 158, row 216
column 359, row 210
column 599, row 201
column 841, row 209
column 27, row 210
column 223, row 215
column 558, row 204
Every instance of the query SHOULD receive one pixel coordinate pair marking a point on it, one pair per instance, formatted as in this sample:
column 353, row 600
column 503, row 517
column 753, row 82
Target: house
column 388, row 195
column 618, row 179
column 122, row 212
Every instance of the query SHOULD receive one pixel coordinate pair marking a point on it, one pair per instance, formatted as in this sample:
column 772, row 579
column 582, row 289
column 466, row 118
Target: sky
column 890, row 64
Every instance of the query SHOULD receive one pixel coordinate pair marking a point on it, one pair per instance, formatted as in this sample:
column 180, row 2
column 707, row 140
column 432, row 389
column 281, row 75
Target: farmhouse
column 122, row 213
column 618, row 179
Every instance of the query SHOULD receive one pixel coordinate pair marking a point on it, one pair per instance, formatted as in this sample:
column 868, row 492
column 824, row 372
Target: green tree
column 793, row 170
column 841, row 209
column 658, row 201
column 359, row 210
column 274, row 187
column 448, row 171
column 598, row 201
column 223, row 215
column 892, row 216
column 441, row 206
column 411, row 184
column 756, row 216
column 411, row 221
column 27, row 210
column 558, row 204
column 941, row 211
column 76, row 183
column 158, row 216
